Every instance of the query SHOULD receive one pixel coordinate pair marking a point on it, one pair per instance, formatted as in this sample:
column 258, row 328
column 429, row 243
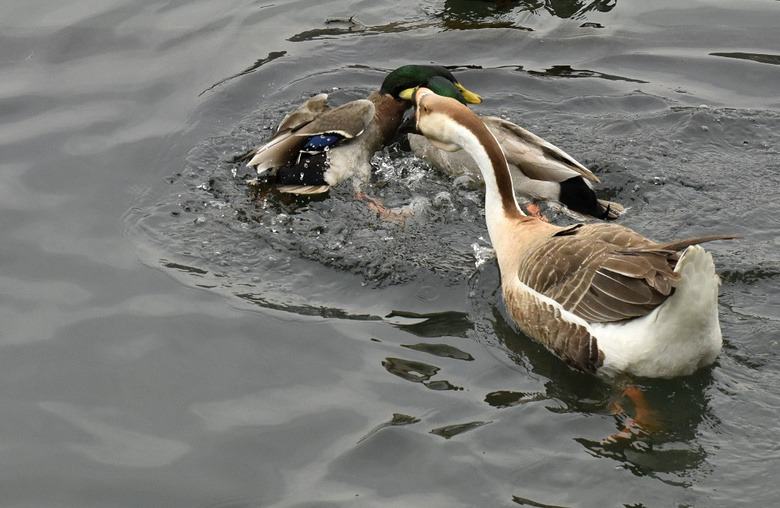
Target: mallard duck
column 601, row 296
column 540, row 170
column 316, row 146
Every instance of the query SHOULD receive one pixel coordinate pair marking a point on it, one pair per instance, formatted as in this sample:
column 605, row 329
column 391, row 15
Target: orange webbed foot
column 534, row 210
column 645, row 420
column 395, row 216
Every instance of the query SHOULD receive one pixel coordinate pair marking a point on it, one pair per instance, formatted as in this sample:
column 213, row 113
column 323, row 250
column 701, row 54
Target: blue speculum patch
column 322, row 141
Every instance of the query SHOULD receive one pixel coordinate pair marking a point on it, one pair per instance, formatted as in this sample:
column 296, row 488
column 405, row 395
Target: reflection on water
column 463, row 15
column 439, row 324
column 504, row 398
column 397, row 420
column 451, row 431
column 565, row 71
column 418, row 372
column 755, row 57
column 273, row 55
column 443, row 350
column 522, row 501
column 558, row 8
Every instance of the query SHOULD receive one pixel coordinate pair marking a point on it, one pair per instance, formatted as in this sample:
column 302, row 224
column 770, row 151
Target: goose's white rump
column 677, row 338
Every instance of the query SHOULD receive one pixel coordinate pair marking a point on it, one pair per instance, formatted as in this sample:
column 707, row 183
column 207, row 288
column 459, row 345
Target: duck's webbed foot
column 534, row 210
column 393, row 215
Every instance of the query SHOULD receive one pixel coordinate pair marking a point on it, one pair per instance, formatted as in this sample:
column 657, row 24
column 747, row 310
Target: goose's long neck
column 502, row 214
column 500, row 202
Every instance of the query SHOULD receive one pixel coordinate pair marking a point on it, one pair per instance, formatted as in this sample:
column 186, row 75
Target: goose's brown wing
column 604, row 272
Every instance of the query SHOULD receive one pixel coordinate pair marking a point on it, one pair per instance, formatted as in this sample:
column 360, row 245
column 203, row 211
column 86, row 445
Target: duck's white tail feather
column 275, row 153
column 680, row 336
column 303, row 189
column 614, row 210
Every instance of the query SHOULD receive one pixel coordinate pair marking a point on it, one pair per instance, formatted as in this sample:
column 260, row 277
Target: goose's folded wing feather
column 605, row 272
column 535, row 157
column 601, row 274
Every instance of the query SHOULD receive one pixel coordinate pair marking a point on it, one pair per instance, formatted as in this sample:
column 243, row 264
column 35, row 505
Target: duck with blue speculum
column 600, row 296
column 540, row 170
column 316, row 146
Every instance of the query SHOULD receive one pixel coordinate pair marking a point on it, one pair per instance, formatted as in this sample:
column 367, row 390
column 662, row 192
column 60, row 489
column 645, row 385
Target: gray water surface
column 171, row 338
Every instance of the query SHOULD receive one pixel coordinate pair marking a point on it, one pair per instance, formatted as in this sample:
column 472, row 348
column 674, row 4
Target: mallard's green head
column 401, row 82
column 440, row 86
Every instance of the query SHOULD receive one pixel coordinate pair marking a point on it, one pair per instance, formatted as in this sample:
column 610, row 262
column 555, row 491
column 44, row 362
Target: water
column 171, row 339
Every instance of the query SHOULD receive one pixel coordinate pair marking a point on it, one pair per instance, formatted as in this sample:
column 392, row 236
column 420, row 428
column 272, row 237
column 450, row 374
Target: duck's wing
column 306, row 113
column 535, row 157
column 540, row 170
column 605, row 272
column 312, row 134
column 453, row 164
column 348, row 120
column 612, row 210
column 544, row 164
column 277, row 151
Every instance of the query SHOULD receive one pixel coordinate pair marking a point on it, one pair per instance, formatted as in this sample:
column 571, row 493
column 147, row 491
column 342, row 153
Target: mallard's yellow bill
column 407, row 94
column 470, row 96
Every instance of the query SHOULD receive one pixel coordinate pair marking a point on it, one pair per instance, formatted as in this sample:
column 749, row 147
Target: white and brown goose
column 601, row 296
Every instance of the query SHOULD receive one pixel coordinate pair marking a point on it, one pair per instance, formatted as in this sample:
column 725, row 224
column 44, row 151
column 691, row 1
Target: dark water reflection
column 755, row 57
column 464, row 15
column 171, row 338
column 560, row 8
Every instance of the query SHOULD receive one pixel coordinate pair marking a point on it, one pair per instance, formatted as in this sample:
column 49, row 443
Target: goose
column 316, row 146
column 540, row 170
column 602, row 297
